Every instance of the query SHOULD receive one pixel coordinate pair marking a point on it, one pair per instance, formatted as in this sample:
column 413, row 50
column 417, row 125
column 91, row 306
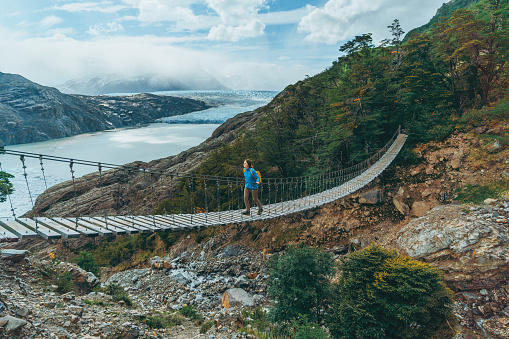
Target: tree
column 397, row 32
column 299, row 284
column 87, row 262
column 6, row 187
column 385, row 295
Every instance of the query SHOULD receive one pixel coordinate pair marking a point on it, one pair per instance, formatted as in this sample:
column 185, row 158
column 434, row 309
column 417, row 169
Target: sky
column 245, row 44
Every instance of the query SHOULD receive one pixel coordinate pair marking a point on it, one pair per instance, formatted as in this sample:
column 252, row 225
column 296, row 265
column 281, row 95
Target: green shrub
column 163, row 321
column 190, row 312
column 381, row 294
column 307, row 330
column 299, row 283
column 206, row 327
column 118, row 293
column 87, row 262
column 64, row 282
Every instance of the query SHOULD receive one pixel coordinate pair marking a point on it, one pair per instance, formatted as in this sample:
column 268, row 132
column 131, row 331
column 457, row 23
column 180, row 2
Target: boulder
column 473, row 252
column 236, row 297
column 372, row 197
column 401, row 206
column 419, row 208
column 12, row 323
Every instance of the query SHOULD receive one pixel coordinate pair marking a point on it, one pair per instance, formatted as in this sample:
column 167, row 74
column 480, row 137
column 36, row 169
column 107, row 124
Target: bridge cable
column 22, row 158
column 77, row 209
column 102, row 183
column 45, row 185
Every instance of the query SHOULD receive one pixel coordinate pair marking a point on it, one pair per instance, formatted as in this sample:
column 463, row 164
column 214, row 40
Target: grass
column 476, row 194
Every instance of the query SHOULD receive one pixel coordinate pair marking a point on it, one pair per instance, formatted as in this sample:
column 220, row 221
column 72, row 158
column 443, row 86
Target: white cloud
column 111, row 27
column 341, row 19
column 285, row 17
column 49, row 21
column 238, row 19
column 251, row 29
column 13, row 14
column 236, row 12
column 157, row 11
column 104, row 7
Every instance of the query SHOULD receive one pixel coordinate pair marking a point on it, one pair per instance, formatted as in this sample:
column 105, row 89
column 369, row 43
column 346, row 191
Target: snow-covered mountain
column 114, row 83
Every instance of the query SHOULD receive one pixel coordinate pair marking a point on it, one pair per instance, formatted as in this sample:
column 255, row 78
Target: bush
column 306, row 330
column 163, row 321
column 299, row 284
column 190, row 312
column 385, row 295
column 64, row 283
column 206, row 327
column 87, row 262
column 118, row 293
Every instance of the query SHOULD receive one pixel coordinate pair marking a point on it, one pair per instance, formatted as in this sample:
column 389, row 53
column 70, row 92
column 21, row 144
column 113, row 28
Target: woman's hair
column 248, row 162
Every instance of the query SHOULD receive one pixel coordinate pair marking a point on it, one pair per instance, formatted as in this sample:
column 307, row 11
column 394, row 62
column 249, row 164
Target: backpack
column 259, row 175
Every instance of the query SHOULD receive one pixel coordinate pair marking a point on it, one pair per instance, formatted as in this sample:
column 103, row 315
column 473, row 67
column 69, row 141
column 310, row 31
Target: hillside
column 30, row 112
column 444, row 12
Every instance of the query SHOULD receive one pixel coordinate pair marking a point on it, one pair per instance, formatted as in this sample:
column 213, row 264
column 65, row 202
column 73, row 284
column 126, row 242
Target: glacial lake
column 121, row 146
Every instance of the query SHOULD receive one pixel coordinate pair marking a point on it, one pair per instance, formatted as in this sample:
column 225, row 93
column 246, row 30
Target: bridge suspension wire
column 204, row 200
column 45, row 183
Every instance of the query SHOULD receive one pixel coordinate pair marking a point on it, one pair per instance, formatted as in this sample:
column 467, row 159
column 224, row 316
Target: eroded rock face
column 471, row 248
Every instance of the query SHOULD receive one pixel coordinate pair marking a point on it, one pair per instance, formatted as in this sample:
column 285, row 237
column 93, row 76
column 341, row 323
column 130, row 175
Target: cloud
column 111, row 27
column 13, row 14
column 339, row 20
column 179, row 12
column 251, row 29
column 49, row 21
column 238, row 19
column 104, row 7
column 236, row 12
column 285, row 17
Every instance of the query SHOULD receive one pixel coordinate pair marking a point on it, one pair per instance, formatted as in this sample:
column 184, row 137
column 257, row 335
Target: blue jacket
column 251, row 178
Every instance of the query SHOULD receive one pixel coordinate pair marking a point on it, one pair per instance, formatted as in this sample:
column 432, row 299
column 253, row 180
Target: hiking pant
column 254, row 194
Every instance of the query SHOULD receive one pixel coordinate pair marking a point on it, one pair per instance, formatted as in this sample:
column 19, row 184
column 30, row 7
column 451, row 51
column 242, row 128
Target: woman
column 252, row 182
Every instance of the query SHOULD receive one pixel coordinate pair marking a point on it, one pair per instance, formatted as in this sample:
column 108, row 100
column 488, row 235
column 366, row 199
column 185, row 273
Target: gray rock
column 372, row 197
column 401, row 206
column 13, row 323
column 236, row 297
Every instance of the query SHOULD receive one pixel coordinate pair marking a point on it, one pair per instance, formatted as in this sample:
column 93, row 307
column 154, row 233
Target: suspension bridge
column 203, row 201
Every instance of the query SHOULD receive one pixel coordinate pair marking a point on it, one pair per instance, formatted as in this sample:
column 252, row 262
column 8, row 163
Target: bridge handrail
column 102, row 165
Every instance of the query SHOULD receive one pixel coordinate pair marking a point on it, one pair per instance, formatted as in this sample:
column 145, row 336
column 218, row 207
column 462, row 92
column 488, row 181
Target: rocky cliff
column 30, row 112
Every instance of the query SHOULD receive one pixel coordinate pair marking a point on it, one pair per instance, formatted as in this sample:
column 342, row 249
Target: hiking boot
column 260, row 211
column 246, row 213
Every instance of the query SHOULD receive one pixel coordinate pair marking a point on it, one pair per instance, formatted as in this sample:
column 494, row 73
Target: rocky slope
column 30, row 112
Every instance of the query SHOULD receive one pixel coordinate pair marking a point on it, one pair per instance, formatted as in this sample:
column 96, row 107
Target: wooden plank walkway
column 54, row 228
